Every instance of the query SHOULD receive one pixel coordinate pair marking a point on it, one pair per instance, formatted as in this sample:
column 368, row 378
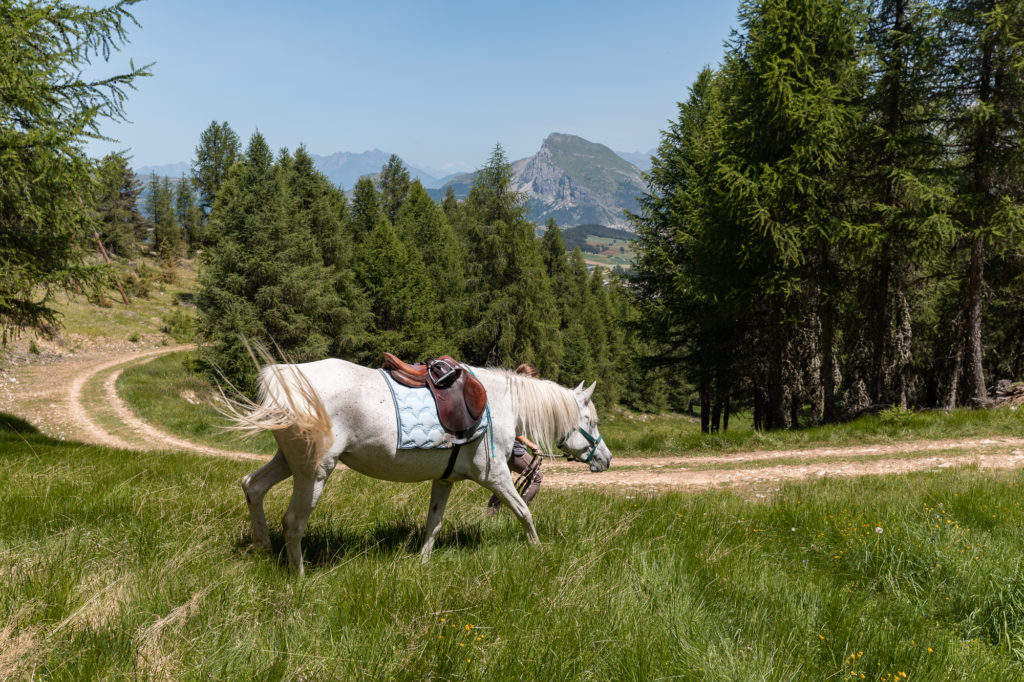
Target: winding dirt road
column 49, row 391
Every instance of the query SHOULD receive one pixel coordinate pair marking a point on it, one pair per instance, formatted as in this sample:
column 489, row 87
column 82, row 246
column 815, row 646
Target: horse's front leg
column 501, row 485
column 439, row 492
column 255, row 487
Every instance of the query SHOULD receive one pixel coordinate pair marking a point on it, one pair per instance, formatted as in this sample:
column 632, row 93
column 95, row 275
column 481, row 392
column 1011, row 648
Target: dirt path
column 48, row 391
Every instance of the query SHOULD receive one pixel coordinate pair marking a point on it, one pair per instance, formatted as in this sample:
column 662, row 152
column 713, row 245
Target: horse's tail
column 287, row 401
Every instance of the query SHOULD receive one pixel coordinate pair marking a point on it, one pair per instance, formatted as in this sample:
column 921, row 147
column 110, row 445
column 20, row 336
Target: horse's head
column 584, row 443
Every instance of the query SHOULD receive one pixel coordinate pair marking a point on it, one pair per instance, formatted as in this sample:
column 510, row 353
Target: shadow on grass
column 8, row 422
column 328, row 547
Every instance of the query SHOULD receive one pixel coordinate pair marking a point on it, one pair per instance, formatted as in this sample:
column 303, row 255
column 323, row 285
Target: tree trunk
column 705, row 411
column 776, row 399
column 974, row 371
column 725, row 415
column 758, row 410
column 828, row 382
column 716, row 416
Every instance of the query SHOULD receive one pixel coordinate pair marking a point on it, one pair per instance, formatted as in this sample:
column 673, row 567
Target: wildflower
column 878, row 529
column 820, row 637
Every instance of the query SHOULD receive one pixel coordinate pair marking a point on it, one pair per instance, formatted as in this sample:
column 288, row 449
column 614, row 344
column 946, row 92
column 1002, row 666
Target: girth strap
column 451, row 461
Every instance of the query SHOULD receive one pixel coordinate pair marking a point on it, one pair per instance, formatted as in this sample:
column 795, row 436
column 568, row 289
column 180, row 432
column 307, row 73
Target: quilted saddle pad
column 418, row 425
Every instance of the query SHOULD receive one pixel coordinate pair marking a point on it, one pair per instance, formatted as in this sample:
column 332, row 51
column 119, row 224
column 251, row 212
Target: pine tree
column 264, row 277
column 216, row 152
column 512, row 317
column 188, row 214
column 116, row 204
column 424, row 228
column 556, row 263
column 321, row 208
column 450, row 205
column 159, row 207
column 366, row 208
column 401, row 297
column 394, row 186
column 50, row 107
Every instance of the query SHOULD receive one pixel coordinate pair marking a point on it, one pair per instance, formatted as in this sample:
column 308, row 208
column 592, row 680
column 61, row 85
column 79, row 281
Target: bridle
column 590, row 439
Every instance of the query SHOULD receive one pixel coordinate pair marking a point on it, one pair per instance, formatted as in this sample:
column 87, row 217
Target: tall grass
column 126, row 565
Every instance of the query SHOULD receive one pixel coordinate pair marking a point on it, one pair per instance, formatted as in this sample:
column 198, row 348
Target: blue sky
column 436, row 83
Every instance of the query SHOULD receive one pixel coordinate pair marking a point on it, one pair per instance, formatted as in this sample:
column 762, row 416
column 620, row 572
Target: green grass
column 644, row 435
column 135, row 565
column 159, row 392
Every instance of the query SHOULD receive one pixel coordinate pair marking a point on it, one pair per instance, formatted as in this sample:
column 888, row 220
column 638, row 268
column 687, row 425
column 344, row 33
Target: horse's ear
column 589, row 392
column 579, row 388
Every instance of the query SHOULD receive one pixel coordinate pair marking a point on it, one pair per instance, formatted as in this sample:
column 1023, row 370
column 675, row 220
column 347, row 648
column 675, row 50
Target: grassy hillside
column 135, row 565
column 165, row 312
column 604, row 246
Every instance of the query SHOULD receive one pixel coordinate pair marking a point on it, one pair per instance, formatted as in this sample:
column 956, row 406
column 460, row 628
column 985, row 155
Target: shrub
column 179, row 325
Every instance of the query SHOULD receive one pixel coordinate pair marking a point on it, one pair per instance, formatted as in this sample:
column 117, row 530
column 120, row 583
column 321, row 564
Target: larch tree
column 48, row 110
column 986, row 39
column 792, row 75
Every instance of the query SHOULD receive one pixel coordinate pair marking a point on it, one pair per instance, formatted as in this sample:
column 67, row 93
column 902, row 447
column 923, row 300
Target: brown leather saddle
column 460, row 397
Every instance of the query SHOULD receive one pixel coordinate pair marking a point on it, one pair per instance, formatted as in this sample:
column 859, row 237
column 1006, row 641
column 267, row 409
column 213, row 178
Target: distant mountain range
column 569, row 179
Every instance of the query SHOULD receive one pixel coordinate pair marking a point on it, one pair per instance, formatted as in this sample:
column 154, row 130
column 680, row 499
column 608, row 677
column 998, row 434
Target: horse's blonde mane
column 545, row 412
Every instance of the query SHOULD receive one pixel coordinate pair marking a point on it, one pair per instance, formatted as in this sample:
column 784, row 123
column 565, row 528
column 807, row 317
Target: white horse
column 332, row 410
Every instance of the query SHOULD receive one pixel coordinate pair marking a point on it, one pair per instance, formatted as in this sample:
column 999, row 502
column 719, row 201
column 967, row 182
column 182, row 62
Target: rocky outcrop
column 573, row 181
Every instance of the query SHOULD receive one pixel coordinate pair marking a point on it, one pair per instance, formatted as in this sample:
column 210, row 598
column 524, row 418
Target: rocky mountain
column 572, row 180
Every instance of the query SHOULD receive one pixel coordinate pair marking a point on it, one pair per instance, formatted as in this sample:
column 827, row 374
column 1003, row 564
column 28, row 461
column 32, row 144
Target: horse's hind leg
column 439, row 492
column 305, row 495
column 255, row 486
column 507, row 493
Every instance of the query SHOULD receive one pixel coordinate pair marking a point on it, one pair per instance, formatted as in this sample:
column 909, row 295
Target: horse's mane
column 545, row 412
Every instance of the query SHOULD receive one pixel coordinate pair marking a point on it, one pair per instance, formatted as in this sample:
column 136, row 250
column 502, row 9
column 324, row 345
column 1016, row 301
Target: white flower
column 878, row 529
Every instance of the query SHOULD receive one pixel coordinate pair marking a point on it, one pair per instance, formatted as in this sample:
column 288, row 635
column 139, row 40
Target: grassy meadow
column 136, row 565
